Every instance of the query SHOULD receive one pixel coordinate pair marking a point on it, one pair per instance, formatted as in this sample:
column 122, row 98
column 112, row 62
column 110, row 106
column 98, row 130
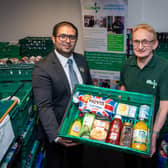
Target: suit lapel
column 60, row 70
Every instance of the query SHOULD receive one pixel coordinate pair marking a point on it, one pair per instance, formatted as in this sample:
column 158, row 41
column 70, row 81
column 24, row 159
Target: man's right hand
column 67, row 142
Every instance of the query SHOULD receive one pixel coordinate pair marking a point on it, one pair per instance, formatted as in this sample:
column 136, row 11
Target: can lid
column 144, row 112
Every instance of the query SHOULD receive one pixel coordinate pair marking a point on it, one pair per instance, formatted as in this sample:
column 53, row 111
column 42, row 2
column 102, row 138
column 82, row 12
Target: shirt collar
column 151, row 63
column 63, row 59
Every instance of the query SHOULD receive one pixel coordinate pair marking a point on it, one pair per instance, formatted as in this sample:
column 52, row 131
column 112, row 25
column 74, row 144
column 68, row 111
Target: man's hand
column 67, row 142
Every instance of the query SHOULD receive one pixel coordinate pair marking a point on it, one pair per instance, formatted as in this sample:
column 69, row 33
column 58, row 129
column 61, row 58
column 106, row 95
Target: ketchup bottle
column 115, row 130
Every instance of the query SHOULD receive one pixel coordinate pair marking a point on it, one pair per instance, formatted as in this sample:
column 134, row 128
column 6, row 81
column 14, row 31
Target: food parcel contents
column 98, row 105
column 144, row 111
column 126, row 134
column 115, row 130
column 87, row 125
column 99, row 130
column 119, row 120
column 125, row 110
column 76, row 126
column 140, row 131
column 140, row 135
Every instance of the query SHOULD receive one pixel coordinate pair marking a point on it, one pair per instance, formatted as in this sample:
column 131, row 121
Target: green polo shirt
column 152, row 79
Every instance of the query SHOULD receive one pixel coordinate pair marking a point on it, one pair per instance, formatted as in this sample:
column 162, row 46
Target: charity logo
column 153, row 83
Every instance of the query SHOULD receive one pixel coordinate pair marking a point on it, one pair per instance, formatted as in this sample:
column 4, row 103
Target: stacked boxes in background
column 162, row 49
column 35, row 46
column 16, row 72
column 11, row 157
column 9, row 50
column 129, row 42
column 28, row 137
column 17, row 60
column 22, row 149
column 23, row 118
column 8, row 131
column 23, row 91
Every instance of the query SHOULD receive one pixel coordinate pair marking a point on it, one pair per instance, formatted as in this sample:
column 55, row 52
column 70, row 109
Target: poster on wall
column 104, row 30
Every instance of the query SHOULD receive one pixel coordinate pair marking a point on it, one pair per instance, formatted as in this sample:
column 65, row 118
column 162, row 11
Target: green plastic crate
column 16, row 72
column 131, row 98
column 4, row 44
column 11, row 158
column 12, row 105
column 24, row 93
column 9, row 51
column 24, row 116
column 34, row 46
column 8, row 131
column 30, row 161
column 28, row 138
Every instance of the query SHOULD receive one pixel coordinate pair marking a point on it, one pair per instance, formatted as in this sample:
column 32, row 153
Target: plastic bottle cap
column 80, row 114
column 128, row 124
column 117, row 116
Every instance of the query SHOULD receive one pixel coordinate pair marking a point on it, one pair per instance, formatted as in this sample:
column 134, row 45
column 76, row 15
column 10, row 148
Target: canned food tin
column 144, row 111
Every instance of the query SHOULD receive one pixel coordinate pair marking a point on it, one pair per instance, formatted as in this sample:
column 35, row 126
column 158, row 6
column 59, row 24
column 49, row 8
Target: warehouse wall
column 20, row 18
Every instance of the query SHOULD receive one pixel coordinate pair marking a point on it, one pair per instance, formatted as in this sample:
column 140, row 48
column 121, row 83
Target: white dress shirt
column 63, row 60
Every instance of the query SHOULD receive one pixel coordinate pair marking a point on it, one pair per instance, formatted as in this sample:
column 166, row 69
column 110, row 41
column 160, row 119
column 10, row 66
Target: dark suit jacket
column 52, row 91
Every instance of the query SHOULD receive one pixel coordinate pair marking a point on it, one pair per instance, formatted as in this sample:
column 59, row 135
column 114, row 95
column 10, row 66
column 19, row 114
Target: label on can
column 144, row 111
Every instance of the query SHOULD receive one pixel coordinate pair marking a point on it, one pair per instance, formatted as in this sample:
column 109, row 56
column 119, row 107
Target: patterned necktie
column 72, row 74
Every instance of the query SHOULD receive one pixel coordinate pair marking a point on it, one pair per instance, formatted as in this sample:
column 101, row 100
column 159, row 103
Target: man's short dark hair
column 64, row 23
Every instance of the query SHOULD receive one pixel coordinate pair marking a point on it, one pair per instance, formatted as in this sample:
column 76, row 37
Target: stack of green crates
column 32, row 157
column 35, row 46
column 8, row 50
column 162, row 49
column 24, row 93
column 28, row 137
column 24, row 151
column 12, row 156
column 8, row 131
column 130, row 98
column 16, row 72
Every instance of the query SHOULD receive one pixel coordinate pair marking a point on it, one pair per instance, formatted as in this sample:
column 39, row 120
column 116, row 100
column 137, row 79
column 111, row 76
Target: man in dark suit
column 52, row 89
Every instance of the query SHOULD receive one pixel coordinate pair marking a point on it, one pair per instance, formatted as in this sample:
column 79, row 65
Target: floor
column 97, row 157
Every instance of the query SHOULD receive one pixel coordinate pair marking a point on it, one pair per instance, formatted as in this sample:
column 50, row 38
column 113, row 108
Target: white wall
column 21, row 18
column 154, row 12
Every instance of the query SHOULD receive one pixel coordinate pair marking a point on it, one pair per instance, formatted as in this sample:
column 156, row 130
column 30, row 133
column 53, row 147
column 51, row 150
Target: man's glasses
column 64, row 37
column 145, row 43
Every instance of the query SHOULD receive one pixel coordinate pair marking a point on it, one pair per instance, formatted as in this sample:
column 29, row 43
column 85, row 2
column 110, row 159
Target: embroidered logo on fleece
column 153, row 83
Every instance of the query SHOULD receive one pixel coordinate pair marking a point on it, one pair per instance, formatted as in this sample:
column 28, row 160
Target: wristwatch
column 56, row 139
column 156, row 133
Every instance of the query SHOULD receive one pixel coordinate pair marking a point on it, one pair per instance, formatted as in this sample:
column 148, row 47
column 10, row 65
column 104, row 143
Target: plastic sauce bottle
column 76, row 126
column 140, row 133
column 115, row 130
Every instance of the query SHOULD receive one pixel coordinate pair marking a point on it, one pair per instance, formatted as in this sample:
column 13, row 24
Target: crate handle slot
column 128, row 98
column 16, row 91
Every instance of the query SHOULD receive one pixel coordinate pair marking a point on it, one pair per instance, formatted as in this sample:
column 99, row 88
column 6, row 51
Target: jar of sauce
column 126, row 134
column 115, row 130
